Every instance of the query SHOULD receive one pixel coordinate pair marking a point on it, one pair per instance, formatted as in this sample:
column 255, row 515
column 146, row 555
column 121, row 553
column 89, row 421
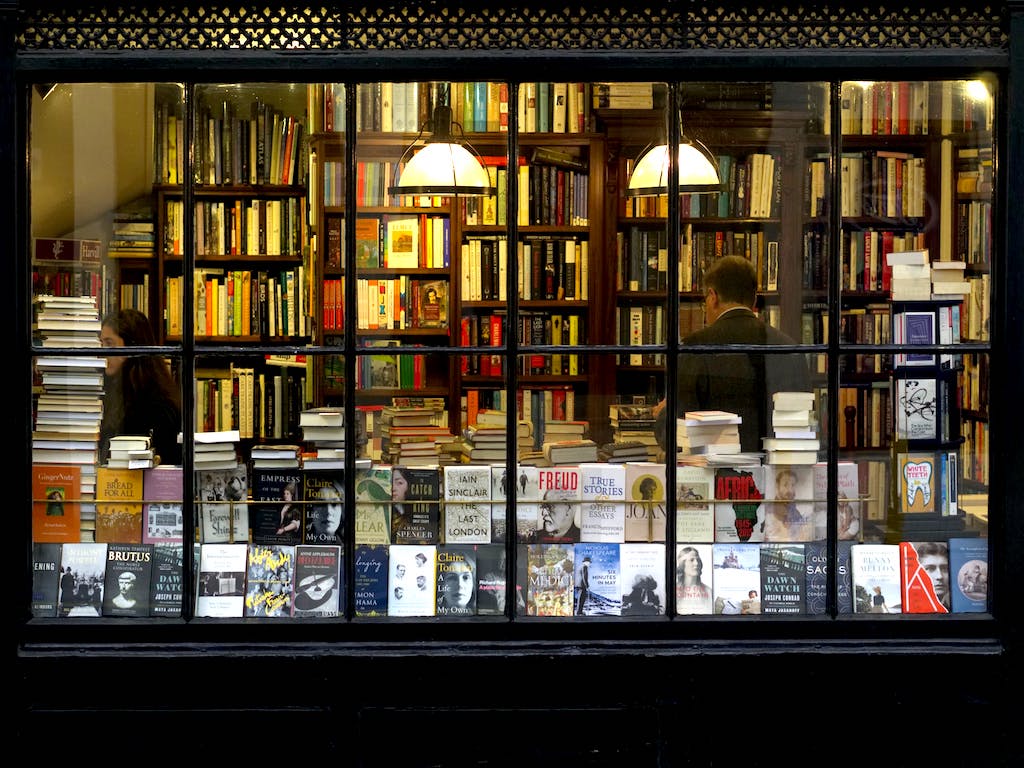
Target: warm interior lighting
column 443, row 166
column 698, row 172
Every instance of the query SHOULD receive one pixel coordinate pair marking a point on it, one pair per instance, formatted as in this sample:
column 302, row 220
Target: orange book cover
column 119, row 496
column 56, row 513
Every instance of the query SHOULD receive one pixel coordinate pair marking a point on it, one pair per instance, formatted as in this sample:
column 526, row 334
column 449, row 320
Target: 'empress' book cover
column 276, row 513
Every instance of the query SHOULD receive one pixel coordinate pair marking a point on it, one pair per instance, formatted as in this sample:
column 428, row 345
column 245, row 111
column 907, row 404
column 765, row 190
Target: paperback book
column 46, row 573
column 324, row 494
column 924, row 576
column 968, row 568
column 783, row 579
column 269, row 579
column 643, row 579
column 162, row 518
column 598, row 579
column 695, row 508
column 412, row 589
column 875, row 578
column 126, row 590
column 276, row 513
column 370, row 580
column 318, row 581
column 737, row 578
column 603, row 512
column 373, row 505
column 549, row 590
column 560, row 508
column 467, row 504
column 456, row 580
column 223, row 507
column 789, row 510
column 739, row 504
column 694, row 578
column 83, row 571
column 416, row 505
column 645, row 501
column 166, row 584
column 56, row 512
column 220, row 587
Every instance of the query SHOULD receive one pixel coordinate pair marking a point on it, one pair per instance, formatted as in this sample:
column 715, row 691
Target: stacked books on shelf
column 911, row 275
column 619, row 452
column 131, row 452
column 633, row 423
column 795, row 439
column 216, row 450
column 570, row 452
column 323, row 431
column 66, row 321
column 485, row 441
column 948, row 279
column 710, row 438
column 411, row 435
column 276, row 456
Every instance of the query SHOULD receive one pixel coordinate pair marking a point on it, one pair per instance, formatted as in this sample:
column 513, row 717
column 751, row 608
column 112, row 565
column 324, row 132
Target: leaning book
column 129, row 571
column 598, row 579
column 875, row 578
column 549, row 590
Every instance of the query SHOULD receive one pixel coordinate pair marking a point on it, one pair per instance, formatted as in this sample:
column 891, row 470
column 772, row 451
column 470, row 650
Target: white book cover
column 499, row 495
column 736, row 581
column 875, row 576
column 220, row 590
column 412, row 586
column 528, row 498
column 695, row 509
column 559, row 509
column 467, row 504
column 739, row 503
column 848, row 501
column 694, row 578
column 789, row 509
column 643, row 579
column 916, row 409
column 603, row 514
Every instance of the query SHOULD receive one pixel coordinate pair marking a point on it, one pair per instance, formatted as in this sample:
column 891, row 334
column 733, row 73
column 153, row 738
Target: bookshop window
column 502, row 360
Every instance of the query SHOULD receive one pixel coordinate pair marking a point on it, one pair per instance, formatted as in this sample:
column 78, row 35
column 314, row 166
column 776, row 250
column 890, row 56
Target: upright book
column 270, row 574
column 875, row 578
column 457, row 579
column 467, row 504
column 549, row 590
column 694, row 578
column 119, row 495
column 83, row 571
column 324, row 494
column 492, row 581
column 412, row 588
column 56, row 511
column 166, row 585
column 223, row 504
column 370, row 580
column 737, row 578
column 127, row 586
column 46, row 573
column 789, row 510
column 783, row 579
column 603, row 511
column 643, row 578
column 276, row 515
column 598, row 579
column 645, row 501
column 924, row 576
column 695, row 509
column 739, row 504
column 319, row 584
column 162, row 519
column 220, row 586
column 968, row 568
column 416, row 505
column 373, row 505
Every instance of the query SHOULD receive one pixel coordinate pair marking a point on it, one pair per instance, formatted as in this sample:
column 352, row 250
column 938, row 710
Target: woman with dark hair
column 140, row 396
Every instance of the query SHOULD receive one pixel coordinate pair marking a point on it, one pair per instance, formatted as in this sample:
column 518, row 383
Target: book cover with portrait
column 126, row 590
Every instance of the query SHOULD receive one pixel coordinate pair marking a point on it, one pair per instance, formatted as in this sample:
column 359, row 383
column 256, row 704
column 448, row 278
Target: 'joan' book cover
column 467, row 504
column 45, row 578
column 126, row 587
column 220, row 587
column 166, row 584
column 643, row 579
column 269, row 577
column 695, row 512
column 56, row 513
column 370, row 585
column 162, row 519
column 318, row 581
column 694, row 578
column 549, row 585
column 924, row 576
column 783, row 579
column 83, row 569
column 875, row 577
column 412, row 588
column 598, row 579
column 737, row 578
column 276, row 513
column 457, row 579
column 645, row 501
column 373, row 505
column 968, row 569
column 739, row 504
column 603, row 512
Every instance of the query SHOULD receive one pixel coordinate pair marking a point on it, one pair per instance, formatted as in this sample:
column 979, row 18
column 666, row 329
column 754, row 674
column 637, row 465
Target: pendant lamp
column 698, row 171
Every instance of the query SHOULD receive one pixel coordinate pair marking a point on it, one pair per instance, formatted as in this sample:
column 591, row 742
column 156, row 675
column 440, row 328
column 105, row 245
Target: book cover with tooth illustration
column 917, row 483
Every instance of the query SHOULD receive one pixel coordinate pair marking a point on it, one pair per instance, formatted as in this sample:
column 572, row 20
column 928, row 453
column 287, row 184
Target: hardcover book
column 598, row 579
column 56, row 512
column 737, row 578
column 560, row 509
column 403, row 241
column 370, row 585
column 456, row 580
column 924, row 576
column 432, row 304
column 848, row 508
column 412, row 589
column 373, row 505
column 918, row 482
column 783, row 579
column 844, row 578
column 739, row 504
column 324, row 493
column 223, row 507
column 968, row 568
column 645, row 501
column 492, row 581
column 528, row 499
column 162, row 519
column 695, row 510
column 367, row 242
column 416, row 504
column 499, row 505
column 694, row 578
column 549, row 586
column 319, row 587
column 467, row 504
column 46, row 573
column 166, row 584
column 643, row 579
column 220, row 586
column 875, row 578
column 916, row 409
column 126, row 590
column 276, row 513
column 269, row 581
column 789, row 508
column 816, row 577
column 83, row 570
column 603, row 512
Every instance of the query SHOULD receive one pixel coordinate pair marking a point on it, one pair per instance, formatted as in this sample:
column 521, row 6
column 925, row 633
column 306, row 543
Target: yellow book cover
column 119, row 495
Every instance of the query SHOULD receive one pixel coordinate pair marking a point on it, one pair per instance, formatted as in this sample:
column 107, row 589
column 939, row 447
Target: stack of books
column 570, row 452
column 623, row 451
column 634, row 423
column 411, row 434
column 66, row 321
column 216, row 450
column 553, row 431
column 911, row 275
column 795, row 438
column 131, row 452
column 708, row 432
column 948, row 279
column 276, row 456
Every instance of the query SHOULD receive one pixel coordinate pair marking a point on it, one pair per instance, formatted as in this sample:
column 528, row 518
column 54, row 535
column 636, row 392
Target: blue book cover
column 370, row 587
column 816, row 570
column 598, row 589
column 968, row 569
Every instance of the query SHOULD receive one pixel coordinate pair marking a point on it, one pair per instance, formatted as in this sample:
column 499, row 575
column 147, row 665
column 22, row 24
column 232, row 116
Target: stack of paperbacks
column 323, row 431
column 276, row 456
column 216, row 450
column 567, row 442
column 410, row 435
column 911, row 275
column 711, row 438
column 633, row 423
column 486, row 441
column 948, row 279
column 131, row 452
column 794, row 433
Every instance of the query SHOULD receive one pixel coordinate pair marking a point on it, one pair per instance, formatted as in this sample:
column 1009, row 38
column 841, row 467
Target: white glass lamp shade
column 443, row 169
column 696, row 172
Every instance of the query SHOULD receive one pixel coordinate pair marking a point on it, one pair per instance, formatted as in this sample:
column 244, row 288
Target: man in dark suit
column 740, row 383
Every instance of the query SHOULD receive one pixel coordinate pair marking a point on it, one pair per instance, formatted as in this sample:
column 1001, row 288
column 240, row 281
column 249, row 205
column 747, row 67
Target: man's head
column 557, row 513
column 785, row 484
column 934, row 559
column 126, row 582
column 730, row 281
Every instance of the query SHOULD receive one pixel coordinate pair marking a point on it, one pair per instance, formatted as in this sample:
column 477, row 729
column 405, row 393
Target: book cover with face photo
column 412, row 589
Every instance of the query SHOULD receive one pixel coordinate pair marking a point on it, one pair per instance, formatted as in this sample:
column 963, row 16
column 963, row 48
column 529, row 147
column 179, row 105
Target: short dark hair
column 734, row 280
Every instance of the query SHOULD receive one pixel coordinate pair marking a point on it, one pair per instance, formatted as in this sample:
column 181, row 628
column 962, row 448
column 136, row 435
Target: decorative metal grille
column 436, row 26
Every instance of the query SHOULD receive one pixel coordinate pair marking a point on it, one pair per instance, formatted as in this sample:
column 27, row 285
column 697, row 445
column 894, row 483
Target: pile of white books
column 795, row 438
